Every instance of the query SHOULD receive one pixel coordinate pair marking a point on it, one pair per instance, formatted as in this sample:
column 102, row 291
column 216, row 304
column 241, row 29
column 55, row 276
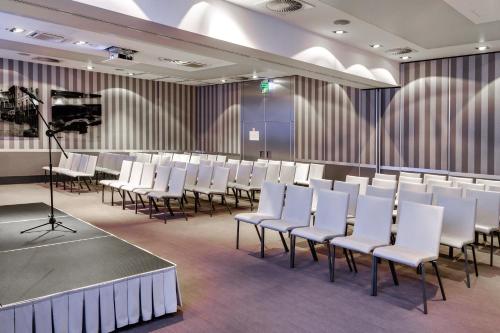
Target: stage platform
column 89, row 281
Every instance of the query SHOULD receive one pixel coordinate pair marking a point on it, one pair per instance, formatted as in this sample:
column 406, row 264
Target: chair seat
column 207, row 190
column 133, row 187
column 358, row 244
column 142, row 191
column 394, row 228
column 486, row 229
column 245, row 187
column 279, row 225
column 189, row 187
column 107, row 182
column 302, row 182
column 117, row 184
column 403, row 255
column 232, row 184
column 315, row 234
column 162, row 195
column 253, row 218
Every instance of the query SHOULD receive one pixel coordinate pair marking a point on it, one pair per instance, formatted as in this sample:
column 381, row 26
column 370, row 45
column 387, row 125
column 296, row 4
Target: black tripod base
column 53, row 223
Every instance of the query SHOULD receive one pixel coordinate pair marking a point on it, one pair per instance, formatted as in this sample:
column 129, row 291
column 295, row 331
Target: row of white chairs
column 75, row 166
column 304, row 172
column 110, row 163
column 422, row 227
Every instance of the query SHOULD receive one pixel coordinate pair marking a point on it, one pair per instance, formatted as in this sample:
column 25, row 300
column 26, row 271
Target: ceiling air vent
column 45, row 59
column 185, row 63
column 46, row 37
column 286, row 6
column 400, row 51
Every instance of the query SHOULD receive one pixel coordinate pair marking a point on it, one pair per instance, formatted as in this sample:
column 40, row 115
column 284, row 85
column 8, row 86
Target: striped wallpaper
column 137, row 114
column 218, row 118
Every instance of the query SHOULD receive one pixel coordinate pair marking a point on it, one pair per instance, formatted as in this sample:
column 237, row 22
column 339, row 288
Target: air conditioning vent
column 286, row 6
column 46, row 37
column 400, row 50
column 45, row 59
column 185, row 63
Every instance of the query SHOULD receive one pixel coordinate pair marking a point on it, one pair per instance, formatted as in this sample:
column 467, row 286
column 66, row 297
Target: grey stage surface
column 38, row 263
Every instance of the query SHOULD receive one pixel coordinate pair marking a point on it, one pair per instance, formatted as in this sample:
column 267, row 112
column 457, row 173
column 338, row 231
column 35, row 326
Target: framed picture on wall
column 18, row 117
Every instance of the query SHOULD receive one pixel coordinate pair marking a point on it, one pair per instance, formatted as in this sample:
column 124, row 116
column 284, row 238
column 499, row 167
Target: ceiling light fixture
column 405, row 57
column 375, row 46
column 482, row 48
column 80, row 42
column 90, row 67
column 254, row 76
column 130, row 74
column 223, row 80
column 16, row 30
column 339, row 32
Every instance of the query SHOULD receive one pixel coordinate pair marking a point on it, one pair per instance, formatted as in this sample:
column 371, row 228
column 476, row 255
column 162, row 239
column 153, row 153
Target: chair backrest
column 125, row 171
column 205, row 176
column 221, row 158
column 301, row 172
column 429, row 176
column 191, row 174
column 287, row 163
column 459, row 217
column 62, row 161
column 195, row 159
column 271, row 199
column 205, row 162
column 488, row 182
column 316, row 171
column 243, row 174
column 488, row 207
column 211, row 157
column 234, row 161
column 381, row 192
column 274, row 162
column 156, row 159
column 470, row 186
column 136, row 173
column 69, row 161
column 178, row 157
column 415, row 180
column 297, row 209
column 455, row 180
column 412, row 196
column 180, row 164
column 353, row 191
column 245, row 162
column 410, row 174
column 440, row 191
column 117, row 160
column 220, row 178
column 258, row 176
column 218, row 164
column 176, row 182
column 373, row 218
column 384, row 176
column 84, row 160
column 233, row 169
column 385, row 183
column 202, row 156
column 148, row 175
column 434, row 182
column 287, row 174
column 75, row 162
column 492, row 188
column 331, row 212
column 362, row 181
column 261, row 160
column 166, row 160
column 167, row 155
column 414, row 187
column 420, row 227
column 273, row 173
column 162, row 178
column 91, row 165
column 317, row 185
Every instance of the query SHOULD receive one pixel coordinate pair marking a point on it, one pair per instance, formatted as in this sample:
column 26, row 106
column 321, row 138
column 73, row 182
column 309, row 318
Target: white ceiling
column 432, row 28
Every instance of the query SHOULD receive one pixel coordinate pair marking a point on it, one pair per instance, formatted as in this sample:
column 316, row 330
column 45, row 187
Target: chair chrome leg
column 434, row 264
column 262, row 243
column 292, row 252
column 313, row 250
column 450, row 252
column 250, row 199
column 424, row 291
column 327, row 244
column 142, row 201
column 155, row 205
column 227, row 205
column 491, row 249
column 374, row 275
column 169, row 207
column 284, row 242
column 112, row 195
column 136, row 203
column 332, row 263
column 237, row 234
column 393, row 273
column 102, row 199
column 257, row 230
column 348, row 260
column 150, row 207
column 165, row 209
column 353, row 262
column 466, row 266
column 123, row 199
column 181, row 206
column 212, row 208
column 235, row 197
column 474, row 258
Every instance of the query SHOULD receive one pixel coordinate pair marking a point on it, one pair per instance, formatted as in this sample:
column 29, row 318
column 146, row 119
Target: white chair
column 274, row 162
column 175, row 191
column 195, row 159
column 415, row 180
column 458, row 227
column 155, row 159
column 76, row 170
column 191, row 176
column 245, row 162
column 289, row 163
column 218, row 164
column 180, row 164
column 221, row 158
column 233, row 169
column 414, row 187
column 317, row 185
column 273, row 173
column 492, row 188
column 205, row 173
column 384, row 176
column 353, row 191
column 258, row 177
column 160, row 184
column 301, row 173
column 147, row 180
column 372, row 229
column 488, row 211
column 330, row 222
column 417, row 242
column 261, row 160
column 287, row 174
column 296, row 213
column 410, row 174
column 429, row 176
column 448, row 192
column 488, row 182
column 410, row 196
column 455, row 180
column 362, row 181
column 469, row 186
column 134, row 180
column 206, row 162
column 270, row 207
column 123, row 179
column 242, row 179
column 218, row 187
column 316, row 171
column 212, row 157
column 86, row 170
column 382, row 192
column 434, row 182
column 385, row 183
column 168, row 156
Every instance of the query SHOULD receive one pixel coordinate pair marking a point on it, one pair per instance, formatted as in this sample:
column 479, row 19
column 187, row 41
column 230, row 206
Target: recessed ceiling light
column 130, row 74
column 80, row 42
column 223, row 80
column 339, row 32
column 405, row 57
column 376, row 46
column 23, row 54
column 16, row 30
column 254, row 76
column 482, row 48
column 90, row 67
column 341, row 22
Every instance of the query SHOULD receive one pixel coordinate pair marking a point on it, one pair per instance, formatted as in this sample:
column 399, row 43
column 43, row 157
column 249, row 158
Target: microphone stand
column 51, row 134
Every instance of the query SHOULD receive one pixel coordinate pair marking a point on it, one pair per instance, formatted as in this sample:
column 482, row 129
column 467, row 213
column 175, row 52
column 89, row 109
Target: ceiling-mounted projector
column 120, row 56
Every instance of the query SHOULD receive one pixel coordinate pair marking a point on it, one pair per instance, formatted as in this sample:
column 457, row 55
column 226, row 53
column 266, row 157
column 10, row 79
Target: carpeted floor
column 229, row 290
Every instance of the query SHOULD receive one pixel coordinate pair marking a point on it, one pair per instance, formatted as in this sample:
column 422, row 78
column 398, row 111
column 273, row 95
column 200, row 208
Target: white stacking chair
column 147, row 180
column 353, row 191
column 296, row 214
column 218, row 164
column 261, row 160
column 191, row 177
column 301, row 173
column 221, row 158
column 434, row 182
column 458, row 227
column 384, row 176
column 492, row 188
column 415, row 180
column 410, row 196
column 429, row 176
column 256, row 180
column 318, row 185
column 449, row 192
column 330, row 222
column 175, row 192
column 410, row 174
column 273, row 173
column 245, row 162
column 287, row 174
column 274, row 162
column 180, row 164
column 195, row 159
column 123, row 178
column 270, row 208
column 382, row 192
column 176, row 157
column 232, row 160
column 488, row 212
column 417, row 242
column 76, row 170
column 362, row 181
column 160, row 184
column 470, row 186
column 414, row 187
column 289, row 163
column 316, row 171
column 166, row 160
column 372, row 229
column 155, row 159
column 205, row 173
column 233, row 169
column 206, row 162
column 134, row 180
column 488, row 182
column 218, row 187
column 455, row 180
column 385, row 183
column 211, row 157
column 60, row 166
column 242, row 179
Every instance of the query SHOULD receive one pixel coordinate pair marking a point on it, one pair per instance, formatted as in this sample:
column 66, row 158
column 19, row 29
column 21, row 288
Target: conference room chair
column 428, row 177
column 206, row 162
column 221, row 158
column 134, row 180
column 287, row 174
column 353, row 191
column 296, row 213
column 459, row 220
column 331, row 219
column 165, row 160
column 216, row 188
column 270, row 208
column 176, row 157
column 488, row 182
column 455, row 180
column 470, row 186
column 155, row 159
column 246, row 162
column 435, row 182
column 242, row 179
column 410, row 174
column 195, row 159
column 88, row 173
column 256, row 180
column 301, row 173
column 487, row 213
column 191, row 177
column 212, row 157
column 492, row 188
column 160, row 184
column 275, row 162
column 175, row 192
column 180, row 164
column 218, row 164
column 233, row 169
column 417, row 243
column 440, row 191
column 170, row 156
column 409, row 196
column 372, row 229
column 414, row 187
column 273, row 173
column 318, row 185
column 147, row 180
column 261, row 160
column 205, row 173
column 385, row 183
column 316, row 171
column 75, row 164
column 381, row 192
column 289, row 163
column 60, row 166
column 403, row 179
column 122, row 179
column 75, row 170
column 362, row 181
column 144, row 157
column 384, row 176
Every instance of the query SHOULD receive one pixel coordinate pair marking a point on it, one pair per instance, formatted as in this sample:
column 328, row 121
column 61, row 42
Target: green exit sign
column 264, row 86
